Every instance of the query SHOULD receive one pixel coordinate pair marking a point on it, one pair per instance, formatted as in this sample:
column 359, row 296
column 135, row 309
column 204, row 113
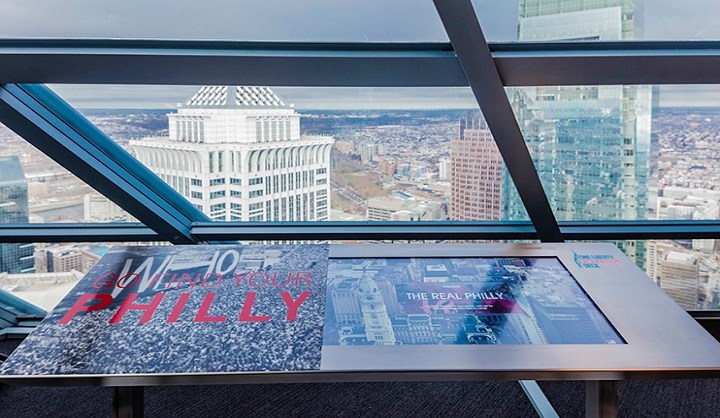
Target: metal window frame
column 136, row 61
column 359, row 231
column 77, row 232
column 351, row 64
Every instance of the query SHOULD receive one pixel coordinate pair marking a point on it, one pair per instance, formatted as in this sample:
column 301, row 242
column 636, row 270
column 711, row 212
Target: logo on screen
column 595, row 261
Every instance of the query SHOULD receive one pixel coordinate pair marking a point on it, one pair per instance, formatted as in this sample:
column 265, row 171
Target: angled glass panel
column 253, row 20
column 36, row 189
column 252, row 153
column 597, row 20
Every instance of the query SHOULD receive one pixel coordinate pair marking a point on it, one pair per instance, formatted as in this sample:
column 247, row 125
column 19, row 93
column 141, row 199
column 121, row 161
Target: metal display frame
column 639, row 311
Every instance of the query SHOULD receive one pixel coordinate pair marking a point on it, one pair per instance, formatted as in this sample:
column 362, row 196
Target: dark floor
column 641, row 398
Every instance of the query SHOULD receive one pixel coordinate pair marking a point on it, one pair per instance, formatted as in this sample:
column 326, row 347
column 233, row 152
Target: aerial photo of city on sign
column 395, row 301
column 180, row 309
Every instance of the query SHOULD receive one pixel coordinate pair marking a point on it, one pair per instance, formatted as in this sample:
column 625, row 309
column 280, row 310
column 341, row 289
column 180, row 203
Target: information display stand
column 148, row 316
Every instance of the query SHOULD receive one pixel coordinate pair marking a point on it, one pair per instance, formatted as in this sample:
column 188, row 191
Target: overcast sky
column 312, row 20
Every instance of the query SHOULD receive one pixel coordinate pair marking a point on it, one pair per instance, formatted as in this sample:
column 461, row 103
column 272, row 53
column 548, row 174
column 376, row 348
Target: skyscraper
column 444, row 167
column 678, row 275
column 237, row 154
column 476, row 186
column 591, row 144
column 14, row 258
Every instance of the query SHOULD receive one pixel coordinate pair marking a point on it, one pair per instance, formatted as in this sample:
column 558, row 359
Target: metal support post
column 601, row 398
column 128, row 402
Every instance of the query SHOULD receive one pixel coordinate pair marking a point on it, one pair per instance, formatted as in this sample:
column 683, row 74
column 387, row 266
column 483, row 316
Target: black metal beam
column 362, row 231
column 449, row 230
column 133, row 61
column 77, row 232
column 55, row 128
column 468, row 40
column 225, row 62
column 607, row 63
column 639, row 230
column 128, row 402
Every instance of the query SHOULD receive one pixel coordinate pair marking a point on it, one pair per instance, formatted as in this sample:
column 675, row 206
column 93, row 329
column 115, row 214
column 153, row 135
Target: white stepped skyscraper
column 236, row 153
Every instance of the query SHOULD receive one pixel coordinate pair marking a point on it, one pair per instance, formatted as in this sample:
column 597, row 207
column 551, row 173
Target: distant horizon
column 337, row 98
column 394, row 109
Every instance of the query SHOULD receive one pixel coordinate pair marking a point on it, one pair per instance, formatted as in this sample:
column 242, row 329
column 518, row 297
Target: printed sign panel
column 186, row 309
column 502, row 300
column 207, row 309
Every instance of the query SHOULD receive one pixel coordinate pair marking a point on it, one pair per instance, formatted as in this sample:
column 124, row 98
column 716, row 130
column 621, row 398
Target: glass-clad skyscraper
column 14, row 258
column 591, row 144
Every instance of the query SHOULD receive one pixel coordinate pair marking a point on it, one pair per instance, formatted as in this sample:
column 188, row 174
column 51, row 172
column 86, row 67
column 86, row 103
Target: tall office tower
column 444, row 167
column 98, row 208
column 14, row 258
column 476, row 186
column 598, row 159
column 678, row 277
column 656, row 251
column 236, row 153
column 690, row 276
column 368, row 152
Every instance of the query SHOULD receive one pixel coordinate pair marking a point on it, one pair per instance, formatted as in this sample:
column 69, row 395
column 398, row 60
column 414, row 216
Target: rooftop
column 236, row 97
column 11, row 171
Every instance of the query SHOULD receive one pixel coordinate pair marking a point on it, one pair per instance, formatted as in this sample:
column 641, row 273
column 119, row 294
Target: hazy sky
column 312, row 20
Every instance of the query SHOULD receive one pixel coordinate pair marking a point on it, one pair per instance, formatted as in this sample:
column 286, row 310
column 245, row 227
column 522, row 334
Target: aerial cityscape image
column 219, row 303
column 453, row 301
column 263, row 153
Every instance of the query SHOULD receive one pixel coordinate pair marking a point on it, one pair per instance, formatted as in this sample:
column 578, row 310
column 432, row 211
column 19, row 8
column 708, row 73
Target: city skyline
column 114, row 97
column 406, row 174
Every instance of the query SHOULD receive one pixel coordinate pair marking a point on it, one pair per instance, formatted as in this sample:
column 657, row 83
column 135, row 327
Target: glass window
column 624, row 152
column 382, row 154
column 250, row 20
column 597, row 20
column 687, row 270
column 36, row 189
column 42, row 273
